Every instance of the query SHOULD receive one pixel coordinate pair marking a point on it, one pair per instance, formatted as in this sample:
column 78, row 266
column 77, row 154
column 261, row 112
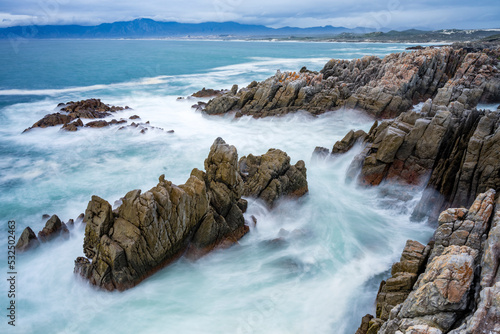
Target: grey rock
column 27, row 240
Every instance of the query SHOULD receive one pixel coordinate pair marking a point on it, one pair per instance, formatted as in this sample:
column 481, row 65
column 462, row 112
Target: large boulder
column 53, row 228
column 271, row 176
column 27, row 240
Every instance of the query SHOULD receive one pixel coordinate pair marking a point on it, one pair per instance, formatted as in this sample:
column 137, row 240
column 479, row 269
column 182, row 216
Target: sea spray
column 309, row 265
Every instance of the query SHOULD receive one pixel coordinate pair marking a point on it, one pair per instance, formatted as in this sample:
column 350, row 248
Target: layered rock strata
column 149, row 230
column 454, row 152
column 454, row 293
column 382, row 87
column 458, row 290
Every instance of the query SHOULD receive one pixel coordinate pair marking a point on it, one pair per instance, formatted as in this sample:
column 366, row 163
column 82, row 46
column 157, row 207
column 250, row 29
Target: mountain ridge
column 144, row 28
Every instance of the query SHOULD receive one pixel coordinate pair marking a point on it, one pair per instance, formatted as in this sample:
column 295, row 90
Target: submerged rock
column 73, row 126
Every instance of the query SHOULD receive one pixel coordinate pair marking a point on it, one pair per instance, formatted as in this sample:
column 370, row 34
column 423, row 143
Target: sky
column 376, row 14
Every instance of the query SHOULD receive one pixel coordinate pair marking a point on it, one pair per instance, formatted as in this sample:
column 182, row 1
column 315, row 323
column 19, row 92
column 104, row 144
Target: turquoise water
column 321, row 279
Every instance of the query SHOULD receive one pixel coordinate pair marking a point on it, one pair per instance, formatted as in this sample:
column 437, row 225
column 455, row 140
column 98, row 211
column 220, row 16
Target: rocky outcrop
column 382, row 87
column 270, row 176
column 74, row 111
column 404, row 275
column 73, row 126
column 458, row 291
column 54, row 227
column 149, row 230
column 350, row 139
column 27, row 240
column 152, row 229
column 454, row 153
column 208, row 92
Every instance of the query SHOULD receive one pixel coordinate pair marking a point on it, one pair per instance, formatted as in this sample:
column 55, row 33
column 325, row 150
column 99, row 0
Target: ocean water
column 321, row 277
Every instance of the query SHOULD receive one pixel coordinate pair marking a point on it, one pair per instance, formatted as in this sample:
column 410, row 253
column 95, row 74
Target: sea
column 311, row 265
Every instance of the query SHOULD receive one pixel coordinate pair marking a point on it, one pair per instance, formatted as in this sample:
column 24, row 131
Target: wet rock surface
column 455, row 153
column 71, row 114
column 149, row 230
column 27, row 240
column 270, row 176
column 382, row 87
column 74, row 111
column 457, row 291
column 53, row 229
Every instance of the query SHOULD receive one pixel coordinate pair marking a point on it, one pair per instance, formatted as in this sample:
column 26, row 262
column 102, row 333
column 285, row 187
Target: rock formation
column 27, row 240
column 149, row 230
column 208, row 92
column 454, row 152
column 458, row 290
column 53, row 228
column 382, row 87
column 74, row 111
column 270, row 176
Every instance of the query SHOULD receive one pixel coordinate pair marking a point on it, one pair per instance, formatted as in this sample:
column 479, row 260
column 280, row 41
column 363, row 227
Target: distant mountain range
column 147, row 28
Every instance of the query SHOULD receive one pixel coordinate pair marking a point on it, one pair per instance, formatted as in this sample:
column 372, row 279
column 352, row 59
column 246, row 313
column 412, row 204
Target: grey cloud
column 375, row 14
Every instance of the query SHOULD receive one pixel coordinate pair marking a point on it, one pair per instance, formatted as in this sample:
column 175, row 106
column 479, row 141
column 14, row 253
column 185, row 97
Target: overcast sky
column 378, row 14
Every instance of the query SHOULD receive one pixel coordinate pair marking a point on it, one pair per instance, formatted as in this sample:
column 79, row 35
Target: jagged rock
column 320, row 152
column 134, row 117
column 53, row 228
column 27, row 240
column 404, row 275
column 208, row 92
column 457, row 151
column 73, row 126
column 486, row 317
column 348, row 141
column 221, row 105
column 365, row 324
column 224, row 223
column 464, row 228
column 443, row 296
column 270, row 176
column 382, row 87
column 91, row 108
column 151, row 229
column 51, row 120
